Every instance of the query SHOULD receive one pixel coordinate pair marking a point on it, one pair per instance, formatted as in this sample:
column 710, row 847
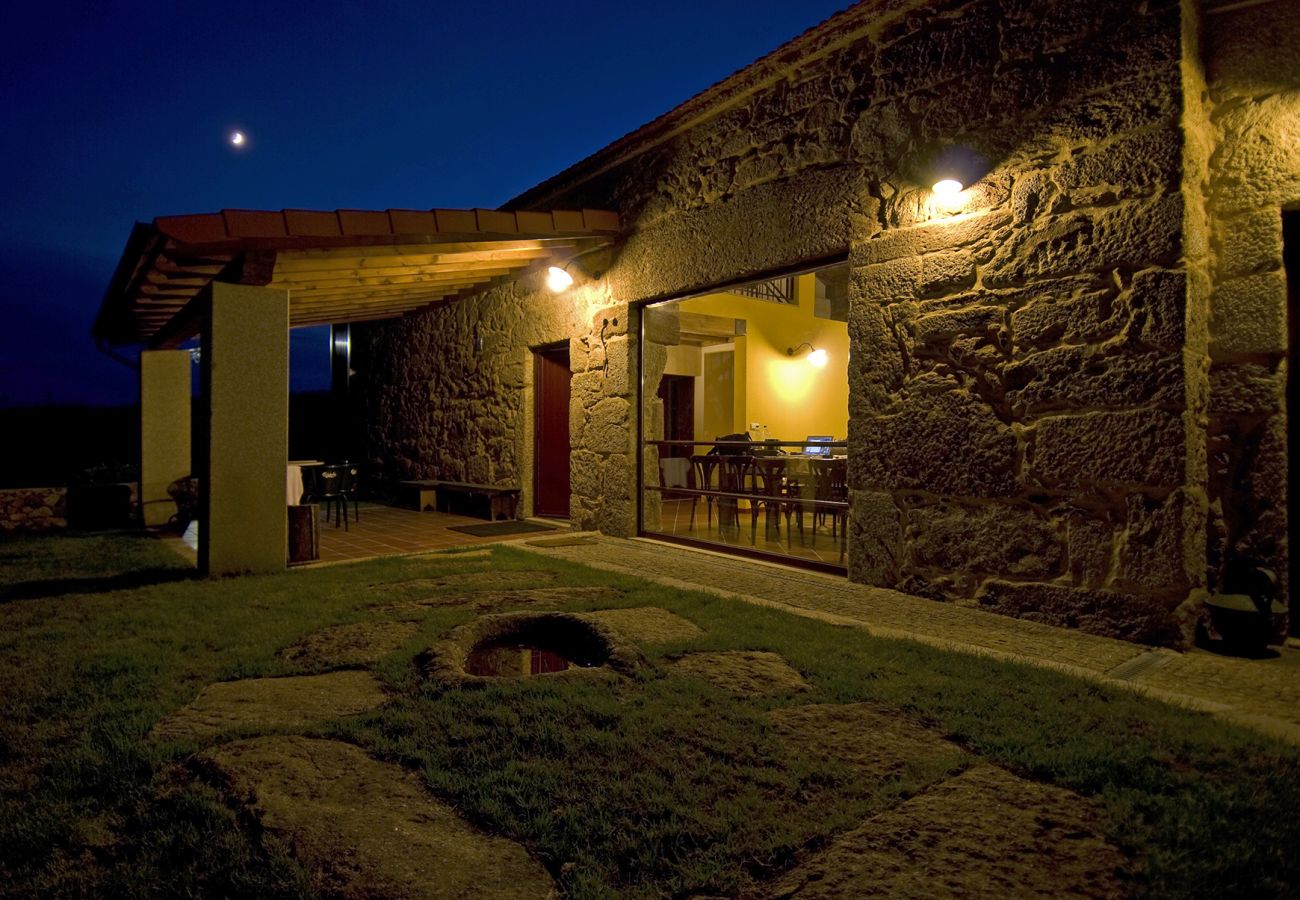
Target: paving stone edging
column 1235, row 689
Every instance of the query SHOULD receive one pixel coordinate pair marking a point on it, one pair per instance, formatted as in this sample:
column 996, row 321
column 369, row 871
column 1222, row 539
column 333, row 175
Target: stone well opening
column 525, row 645
column 537, row 645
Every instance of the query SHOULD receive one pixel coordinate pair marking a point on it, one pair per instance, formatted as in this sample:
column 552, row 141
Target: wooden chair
column 767, row 477
column 830, row 483
column 704, row 468
column 733, row 478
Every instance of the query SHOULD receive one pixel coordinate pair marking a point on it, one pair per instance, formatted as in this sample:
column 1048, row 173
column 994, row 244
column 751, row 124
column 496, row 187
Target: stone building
column 1066, row 389
column 1060, row 391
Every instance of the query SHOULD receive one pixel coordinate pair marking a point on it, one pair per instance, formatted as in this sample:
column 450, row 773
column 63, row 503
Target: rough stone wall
column 435, row 407
column 1029, row 381
column 1027, row 418
column 1253, row 76
column 33, row 509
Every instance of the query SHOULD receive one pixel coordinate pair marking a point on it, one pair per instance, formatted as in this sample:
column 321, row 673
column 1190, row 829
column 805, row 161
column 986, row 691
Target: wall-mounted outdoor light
column 949, row 171
column 558, row 279
column 816, row 358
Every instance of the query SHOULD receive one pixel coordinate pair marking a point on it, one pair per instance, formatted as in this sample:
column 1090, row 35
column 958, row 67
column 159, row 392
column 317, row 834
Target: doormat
column 497, row 529
column 561, row 541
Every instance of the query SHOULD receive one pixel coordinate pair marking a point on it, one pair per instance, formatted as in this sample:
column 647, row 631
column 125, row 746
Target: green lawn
column 652, row 786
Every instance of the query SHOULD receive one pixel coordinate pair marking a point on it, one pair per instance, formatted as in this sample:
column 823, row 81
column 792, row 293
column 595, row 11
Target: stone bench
column 434, row 493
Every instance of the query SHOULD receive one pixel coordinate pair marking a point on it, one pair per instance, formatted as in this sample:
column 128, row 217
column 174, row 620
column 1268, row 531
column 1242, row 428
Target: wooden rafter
column 346, row 265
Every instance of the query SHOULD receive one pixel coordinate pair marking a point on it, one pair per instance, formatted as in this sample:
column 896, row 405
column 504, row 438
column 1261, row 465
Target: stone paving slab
column 479, row 580
column 647, row 624
column 369, row 829
column 357, row 644
column 985, row 833
column 546, row 598
column 874, row 739
column 1263, row 694
column 271, row 703
column 742, row 671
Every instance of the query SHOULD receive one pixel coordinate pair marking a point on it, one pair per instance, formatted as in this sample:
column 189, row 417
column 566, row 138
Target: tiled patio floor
column 384, row 531
column 390, row 530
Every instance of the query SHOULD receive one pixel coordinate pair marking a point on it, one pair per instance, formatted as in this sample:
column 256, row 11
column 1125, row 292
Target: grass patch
column 653, row 786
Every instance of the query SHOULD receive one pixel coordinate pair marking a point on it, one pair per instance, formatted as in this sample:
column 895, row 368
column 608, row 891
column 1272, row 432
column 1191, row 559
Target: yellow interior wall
column 792, row 398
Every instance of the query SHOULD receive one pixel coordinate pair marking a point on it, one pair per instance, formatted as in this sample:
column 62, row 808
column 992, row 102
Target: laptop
column 810, row 448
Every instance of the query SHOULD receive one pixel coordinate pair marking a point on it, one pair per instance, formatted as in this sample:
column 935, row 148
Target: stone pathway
column 756, row 672
column 262, row 703
column 363, row 828
column 876, row 740
column 482, row 580
column 369, row 829
column 984, row 833
column 1263, row 694
column 647, row 624
column 357, row 644
column 488, row 600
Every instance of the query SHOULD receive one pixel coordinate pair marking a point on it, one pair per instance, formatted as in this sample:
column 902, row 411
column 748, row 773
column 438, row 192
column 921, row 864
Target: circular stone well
column 528, row 644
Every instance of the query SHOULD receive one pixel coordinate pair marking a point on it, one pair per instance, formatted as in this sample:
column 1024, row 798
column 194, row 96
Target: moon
column 237, row 138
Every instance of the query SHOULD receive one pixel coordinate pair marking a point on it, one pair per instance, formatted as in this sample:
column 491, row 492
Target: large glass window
column 744, row 416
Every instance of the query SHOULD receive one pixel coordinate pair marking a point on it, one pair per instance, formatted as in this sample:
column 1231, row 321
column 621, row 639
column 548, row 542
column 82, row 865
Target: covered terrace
column 239, row 280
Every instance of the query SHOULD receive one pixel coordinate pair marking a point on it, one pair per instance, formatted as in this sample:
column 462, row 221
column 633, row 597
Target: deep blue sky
column 114, row 112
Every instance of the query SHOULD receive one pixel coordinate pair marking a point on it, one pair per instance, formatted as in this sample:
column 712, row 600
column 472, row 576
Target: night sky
column 116, row 112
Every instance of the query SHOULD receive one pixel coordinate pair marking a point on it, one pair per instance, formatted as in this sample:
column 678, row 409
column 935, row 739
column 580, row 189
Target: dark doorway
column 1291, row 260
column 678, row 394
column 551, row 413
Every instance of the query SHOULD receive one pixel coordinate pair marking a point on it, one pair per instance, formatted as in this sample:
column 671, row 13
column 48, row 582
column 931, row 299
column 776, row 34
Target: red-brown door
column 551, row 458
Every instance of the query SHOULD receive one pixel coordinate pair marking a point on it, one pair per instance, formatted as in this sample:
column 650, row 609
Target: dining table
column 293, row 482
column 676, row 471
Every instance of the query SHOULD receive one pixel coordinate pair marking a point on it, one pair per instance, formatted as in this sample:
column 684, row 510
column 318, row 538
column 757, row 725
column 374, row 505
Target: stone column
column 164, row 430
column 245, row 374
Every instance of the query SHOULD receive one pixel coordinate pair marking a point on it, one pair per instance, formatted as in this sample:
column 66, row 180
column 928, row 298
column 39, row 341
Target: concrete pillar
column 164, row 430
column 245, row 374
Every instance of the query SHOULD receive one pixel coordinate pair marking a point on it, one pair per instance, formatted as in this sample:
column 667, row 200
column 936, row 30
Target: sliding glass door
column 744, row 417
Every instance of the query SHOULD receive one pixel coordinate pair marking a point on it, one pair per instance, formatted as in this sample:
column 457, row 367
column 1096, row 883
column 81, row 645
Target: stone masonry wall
column 1029, row 384
column 1027, row 420
column 33, row 509
column 434, row 407
column 1253, row 79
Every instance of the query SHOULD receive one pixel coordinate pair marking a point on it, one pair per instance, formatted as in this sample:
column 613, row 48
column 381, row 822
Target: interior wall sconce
column 815, row 358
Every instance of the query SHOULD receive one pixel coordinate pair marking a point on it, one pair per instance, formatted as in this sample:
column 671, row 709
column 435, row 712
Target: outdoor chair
column 350, row 487
column 185, row 493
column 329, row 486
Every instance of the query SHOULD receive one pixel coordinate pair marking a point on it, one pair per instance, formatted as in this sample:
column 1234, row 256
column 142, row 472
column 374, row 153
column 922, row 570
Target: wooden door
column 551, row 441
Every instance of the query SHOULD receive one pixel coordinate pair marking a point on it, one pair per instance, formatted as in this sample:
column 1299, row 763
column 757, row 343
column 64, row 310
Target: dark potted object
column 1247, row 617
column 100, row 498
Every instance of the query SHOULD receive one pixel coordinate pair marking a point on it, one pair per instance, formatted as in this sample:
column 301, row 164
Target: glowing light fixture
column 947, row 187
column 815, row 358
column 558, row 279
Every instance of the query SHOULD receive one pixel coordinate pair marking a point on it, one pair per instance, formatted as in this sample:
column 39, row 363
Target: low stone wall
column 33, row 509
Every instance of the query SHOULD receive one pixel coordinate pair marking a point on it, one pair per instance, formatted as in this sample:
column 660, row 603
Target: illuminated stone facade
column 1066, row 391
